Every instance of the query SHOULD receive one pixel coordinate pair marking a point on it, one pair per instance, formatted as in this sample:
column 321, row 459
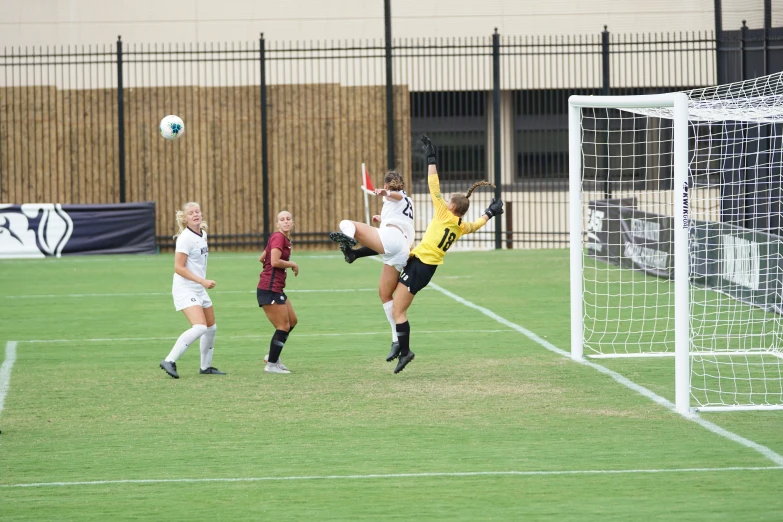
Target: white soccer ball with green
column 172, row 127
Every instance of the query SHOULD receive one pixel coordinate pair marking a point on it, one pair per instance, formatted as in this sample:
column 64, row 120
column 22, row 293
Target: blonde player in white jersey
column 392, row 239
column 189, row 290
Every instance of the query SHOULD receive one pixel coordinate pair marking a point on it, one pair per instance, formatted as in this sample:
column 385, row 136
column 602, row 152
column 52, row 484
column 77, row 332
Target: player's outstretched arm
column 429, row 152
column 495, row 209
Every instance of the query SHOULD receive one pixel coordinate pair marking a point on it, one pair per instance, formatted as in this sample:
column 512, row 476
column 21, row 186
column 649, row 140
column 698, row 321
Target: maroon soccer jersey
column 273, row 279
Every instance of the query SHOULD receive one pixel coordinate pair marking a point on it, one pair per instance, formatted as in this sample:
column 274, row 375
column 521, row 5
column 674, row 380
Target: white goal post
column 676, row 238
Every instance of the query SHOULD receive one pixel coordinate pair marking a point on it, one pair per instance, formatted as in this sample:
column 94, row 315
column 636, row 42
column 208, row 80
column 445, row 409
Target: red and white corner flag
column 367, row 188
column 366, row 181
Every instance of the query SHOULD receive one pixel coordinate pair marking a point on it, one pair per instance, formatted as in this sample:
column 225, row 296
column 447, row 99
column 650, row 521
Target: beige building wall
column 69, row 22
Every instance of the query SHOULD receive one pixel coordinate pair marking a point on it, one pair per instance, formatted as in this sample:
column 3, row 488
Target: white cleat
column 279, row 361
column 275, row 368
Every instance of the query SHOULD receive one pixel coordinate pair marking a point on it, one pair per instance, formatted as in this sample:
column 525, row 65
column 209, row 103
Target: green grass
column 343, row 438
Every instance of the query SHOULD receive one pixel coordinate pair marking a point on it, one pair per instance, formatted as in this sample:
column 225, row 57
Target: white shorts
column 396, row 247
column 186, row 297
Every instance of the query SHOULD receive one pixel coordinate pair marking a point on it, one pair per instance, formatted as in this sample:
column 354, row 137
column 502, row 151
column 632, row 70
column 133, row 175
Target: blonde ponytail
column 182, row 222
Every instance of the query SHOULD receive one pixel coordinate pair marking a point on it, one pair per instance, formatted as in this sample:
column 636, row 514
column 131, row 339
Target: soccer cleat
column 350, row 255
column 275, row 368
column 170, row 368
column 339, row 237
column 279, row 361
column 211, row 371
column 395, row 351
column 403, row 361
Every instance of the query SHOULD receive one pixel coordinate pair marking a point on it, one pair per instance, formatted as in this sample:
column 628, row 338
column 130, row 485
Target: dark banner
column 745, row 264
column 619, row 233
column 48, row 229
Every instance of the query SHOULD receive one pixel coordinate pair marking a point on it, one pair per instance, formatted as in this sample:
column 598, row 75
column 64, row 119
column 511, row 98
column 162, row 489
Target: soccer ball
column 172, row 127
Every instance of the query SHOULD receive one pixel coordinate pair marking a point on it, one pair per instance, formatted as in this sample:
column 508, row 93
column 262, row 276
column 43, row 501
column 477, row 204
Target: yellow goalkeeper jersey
column 444, row 229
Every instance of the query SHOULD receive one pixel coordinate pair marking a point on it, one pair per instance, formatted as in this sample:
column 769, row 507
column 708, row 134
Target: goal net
column 641, row 207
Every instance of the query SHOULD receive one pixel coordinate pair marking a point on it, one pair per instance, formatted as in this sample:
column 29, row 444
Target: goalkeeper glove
column 428, row 148
column 495, row 208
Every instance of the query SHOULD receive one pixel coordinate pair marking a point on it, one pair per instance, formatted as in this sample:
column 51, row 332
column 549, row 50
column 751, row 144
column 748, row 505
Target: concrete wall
column 63, row 22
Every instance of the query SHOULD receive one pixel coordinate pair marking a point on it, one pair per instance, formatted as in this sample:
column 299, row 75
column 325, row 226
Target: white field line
column 11, row 356
column 153, row 258
column 714, row 428
column 5, row 371
column 336, row 334
column 396, row 475
column 147, row 294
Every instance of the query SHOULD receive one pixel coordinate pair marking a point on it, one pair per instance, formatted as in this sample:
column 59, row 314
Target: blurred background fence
column 273, row 126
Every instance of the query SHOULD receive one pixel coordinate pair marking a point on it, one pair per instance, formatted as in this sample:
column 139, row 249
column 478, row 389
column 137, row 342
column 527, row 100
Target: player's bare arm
column 180, row 258
column 276, row 262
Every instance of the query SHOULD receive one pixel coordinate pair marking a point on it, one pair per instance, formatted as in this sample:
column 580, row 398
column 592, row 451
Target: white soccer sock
column 348, row 228
column 187, row 338
column 387, row 307
column 207, row 343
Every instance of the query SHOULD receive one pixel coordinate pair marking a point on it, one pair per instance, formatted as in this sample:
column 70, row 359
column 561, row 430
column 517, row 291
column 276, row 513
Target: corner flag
column 367, row 188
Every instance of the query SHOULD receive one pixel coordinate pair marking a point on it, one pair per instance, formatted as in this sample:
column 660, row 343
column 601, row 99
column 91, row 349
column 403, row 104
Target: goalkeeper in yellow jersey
column 445, row 228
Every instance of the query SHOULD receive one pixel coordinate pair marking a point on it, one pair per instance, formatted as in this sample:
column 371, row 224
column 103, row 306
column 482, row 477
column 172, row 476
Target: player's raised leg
column 352, row 232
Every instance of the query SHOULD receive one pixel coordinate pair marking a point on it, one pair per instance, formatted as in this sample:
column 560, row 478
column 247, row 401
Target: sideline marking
column 335, row 334
column 714, row 428
column 393, row 475
column 145, row 294
column 5, row 371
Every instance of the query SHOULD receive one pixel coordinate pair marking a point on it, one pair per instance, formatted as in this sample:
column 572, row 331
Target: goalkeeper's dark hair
column 393, row 180
column 461, row 202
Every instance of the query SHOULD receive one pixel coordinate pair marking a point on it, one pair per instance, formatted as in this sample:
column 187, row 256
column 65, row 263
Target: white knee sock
column 207, row 343
column 387, row 307
column 348, row 228
column 186, row 339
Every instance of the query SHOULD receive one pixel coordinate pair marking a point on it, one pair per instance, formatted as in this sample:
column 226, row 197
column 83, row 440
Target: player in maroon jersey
column 271, row 286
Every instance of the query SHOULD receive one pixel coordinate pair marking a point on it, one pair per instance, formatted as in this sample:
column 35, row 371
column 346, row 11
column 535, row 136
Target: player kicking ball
column 445, row 228
column 392, row 239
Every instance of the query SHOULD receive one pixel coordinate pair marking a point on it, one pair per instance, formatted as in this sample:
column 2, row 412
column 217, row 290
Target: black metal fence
column 276, row 125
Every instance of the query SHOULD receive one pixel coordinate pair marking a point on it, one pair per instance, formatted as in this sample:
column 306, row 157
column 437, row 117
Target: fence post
column 767, row 28
column 120, row 119
column 389, row 88
column 496, row 128
column 605, row 60
column 264, row 143
column 743, row 40
column 719, row 41
column 605, row 92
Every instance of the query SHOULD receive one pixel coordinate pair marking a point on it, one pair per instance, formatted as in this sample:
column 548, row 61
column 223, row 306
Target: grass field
column 491, row 421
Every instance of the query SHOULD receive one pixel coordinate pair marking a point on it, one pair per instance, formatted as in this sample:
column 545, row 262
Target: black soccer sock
column 364, row 252
column 276, row 346
column 404, row 337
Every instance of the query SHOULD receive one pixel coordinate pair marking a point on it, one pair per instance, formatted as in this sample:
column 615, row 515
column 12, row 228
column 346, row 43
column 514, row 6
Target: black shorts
column 266, row 297
column 416, row 274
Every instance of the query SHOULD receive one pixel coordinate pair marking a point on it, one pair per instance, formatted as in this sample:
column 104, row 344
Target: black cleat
column 211, row 371
column 170, row 368
column 339, row 237
column 350, row 255
column 395, row 351
column 403, row 361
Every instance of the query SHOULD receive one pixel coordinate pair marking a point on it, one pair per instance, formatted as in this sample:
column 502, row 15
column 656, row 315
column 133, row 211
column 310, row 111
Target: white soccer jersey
column 195, row 246
column 399, row 213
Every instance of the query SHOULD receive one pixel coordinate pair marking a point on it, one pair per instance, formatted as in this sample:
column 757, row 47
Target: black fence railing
column 276, row 125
